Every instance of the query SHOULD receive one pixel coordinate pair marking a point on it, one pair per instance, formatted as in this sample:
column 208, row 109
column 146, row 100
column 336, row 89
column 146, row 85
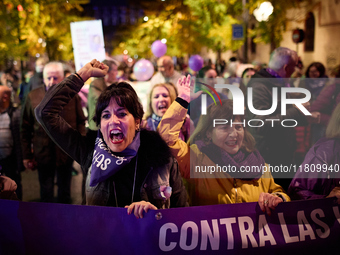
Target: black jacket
column 45, row 151
column 16, row 165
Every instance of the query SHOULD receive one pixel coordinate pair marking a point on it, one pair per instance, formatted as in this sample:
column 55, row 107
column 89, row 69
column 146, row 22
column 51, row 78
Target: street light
column 263, row 12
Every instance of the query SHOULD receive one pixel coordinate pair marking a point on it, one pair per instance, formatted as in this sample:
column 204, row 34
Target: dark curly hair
column 125, row 96
column 319, row 66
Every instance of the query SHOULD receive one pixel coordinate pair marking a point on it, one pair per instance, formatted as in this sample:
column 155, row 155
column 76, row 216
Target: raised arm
column 172, row 121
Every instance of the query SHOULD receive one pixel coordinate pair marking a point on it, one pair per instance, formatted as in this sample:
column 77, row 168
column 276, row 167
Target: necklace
column 133, row 187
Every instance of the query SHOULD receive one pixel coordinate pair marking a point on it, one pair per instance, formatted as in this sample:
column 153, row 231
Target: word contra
column 241, row 232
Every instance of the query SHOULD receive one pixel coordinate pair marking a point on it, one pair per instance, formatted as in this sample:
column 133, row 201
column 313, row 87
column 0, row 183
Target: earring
column 137, row 128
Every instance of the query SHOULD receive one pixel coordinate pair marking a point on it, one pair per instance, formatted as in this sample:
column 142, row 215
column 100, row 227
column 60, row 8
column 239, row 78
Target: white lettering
column 106, row 162
column 319, row 232
column 204, row 104
column 297, row 101
column 247, row 232
column 162, row 237
column 238, row 123
column 184, row 235
column 272, row 120
column 287, row 237
column 99, row 159
column 238, row 98
column 257, row 120
column 289, row 120
column 214, row 239
column 227, row 222
column 262, row 112
column 302, row 222
column 263, row 225
column 219, row 122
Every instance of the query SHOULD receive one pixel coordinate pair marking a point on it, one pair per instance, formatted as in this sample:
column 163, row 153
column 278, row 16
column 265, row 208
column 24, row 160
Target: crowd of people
column 158, row 157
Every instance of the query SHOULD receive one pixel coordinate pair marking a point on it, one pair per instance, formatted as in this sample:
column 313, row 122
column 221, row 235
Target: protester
column 318, row 176
column 161, row 97
column 10, row 79
column 316, row 79
column 24, row 86
column 37, row 79
column 223, row 145
column 325, row 104
column 220, row 66
column 232, row 66
column 34, row 80
column 97, row 86
column 10, row 144
column 210, row 74
column 328, row 99
column 298, row 75
column 207, row 65
column 125, row 166
column 245, row 78
column 39, row 151
column 166, row 72
column 7, row 188
column 276, row 143
column 247, row 74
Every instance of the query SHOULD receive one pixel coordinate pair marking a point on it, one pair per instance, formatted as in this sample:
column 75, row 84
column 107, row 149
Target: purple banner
column 301, row 227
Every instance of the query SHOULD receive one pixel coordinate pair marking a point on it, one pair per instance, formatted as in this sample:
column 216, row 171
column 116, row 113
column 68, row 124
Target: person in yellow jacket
column 221, row 165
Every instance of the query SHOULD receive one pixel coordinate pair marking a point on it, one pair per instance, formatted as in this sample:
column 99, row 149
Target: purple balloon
column 143, row 70
column 158, row 48
column 196, row 62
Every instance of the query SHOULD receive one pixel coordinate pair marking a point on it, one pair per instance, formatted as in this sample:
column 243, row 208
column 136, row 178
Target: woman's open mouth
column 116, row 136
column 162, row 108
column 231, row 143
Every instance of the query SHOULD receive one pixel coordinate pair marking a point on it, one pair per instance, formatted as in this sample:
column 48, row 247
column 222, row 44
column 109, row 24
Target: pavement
column 31, row 188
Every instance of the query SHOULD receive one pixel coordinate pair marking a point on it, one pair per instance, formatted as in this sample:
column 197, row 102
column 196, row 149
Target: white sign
column 88, row 42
